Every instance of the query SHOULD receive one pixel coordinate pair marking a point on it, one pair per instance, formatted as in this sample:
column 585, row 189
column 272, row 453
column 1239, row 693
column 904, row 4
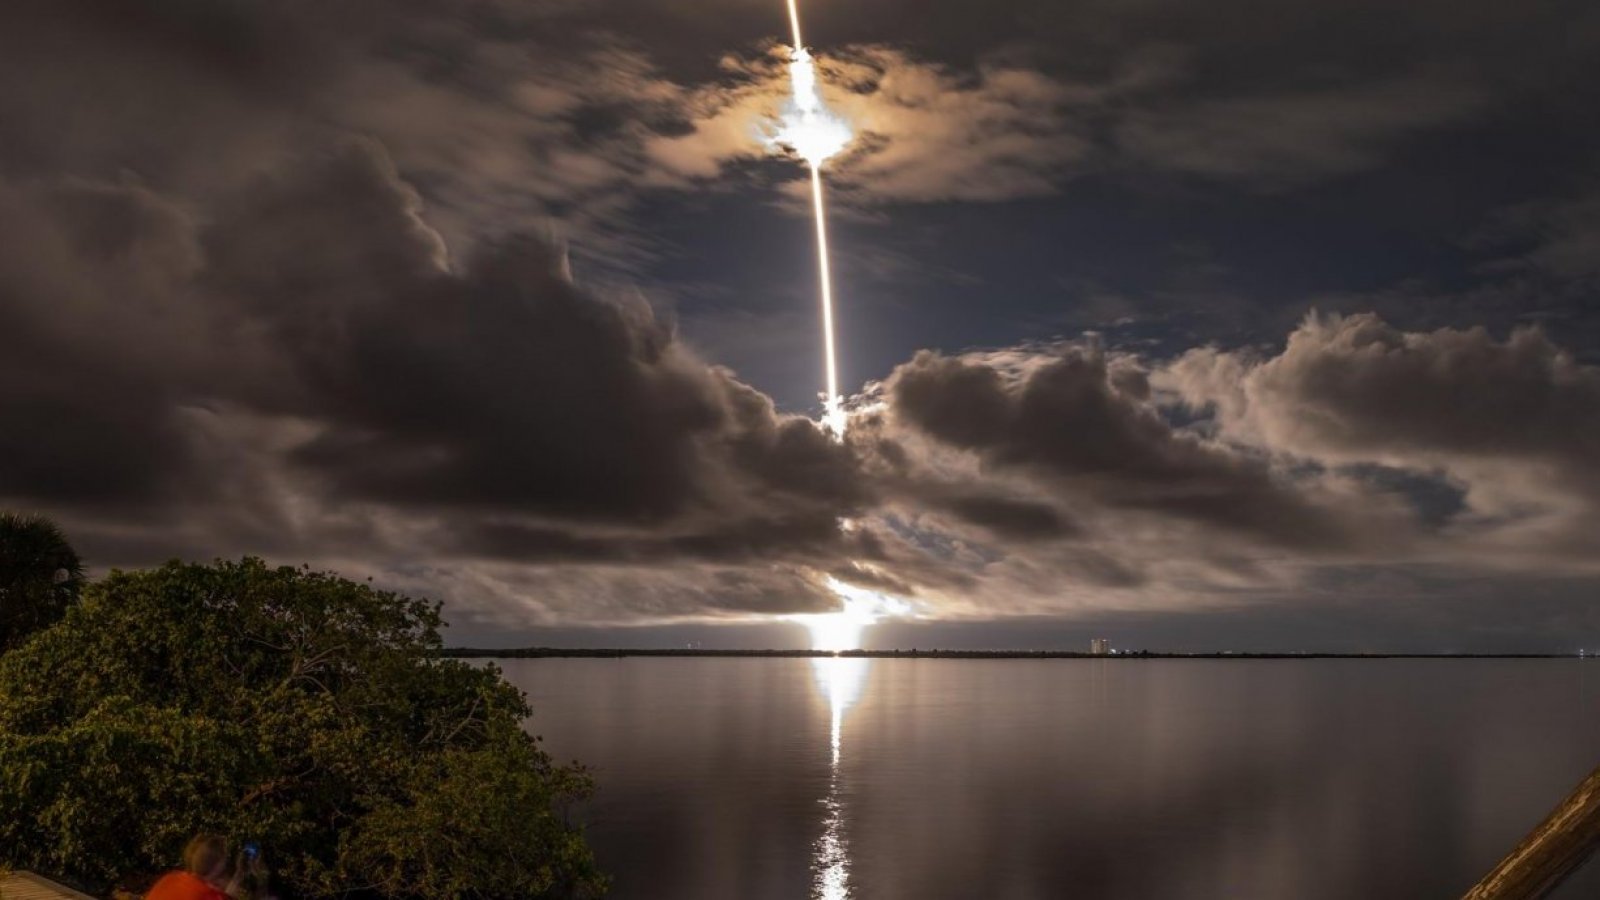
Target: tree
column 294, row 708
column 40, row 576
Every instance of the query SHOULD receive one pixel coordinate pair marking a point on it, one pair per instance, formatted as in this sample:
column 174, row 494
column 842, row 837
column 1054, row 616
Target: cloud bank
column 305, row 370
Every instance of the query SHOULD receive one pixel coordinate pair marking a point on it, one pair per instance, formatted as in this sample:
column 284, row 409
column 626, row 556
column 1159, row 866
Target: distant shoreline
column 622, row 652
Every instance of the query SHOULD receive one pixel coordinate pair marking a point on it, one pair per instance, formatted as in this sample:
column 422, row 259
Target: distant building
column 1100, row 647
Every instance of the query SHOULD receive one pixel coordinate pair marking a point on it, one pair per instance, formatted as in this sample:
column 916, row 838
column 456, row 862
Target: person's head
column 207, row 857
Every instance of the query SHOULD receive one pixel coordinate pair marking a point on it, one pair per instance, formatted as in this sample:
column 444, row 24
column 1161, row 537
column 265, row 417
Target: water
column 1100, row 779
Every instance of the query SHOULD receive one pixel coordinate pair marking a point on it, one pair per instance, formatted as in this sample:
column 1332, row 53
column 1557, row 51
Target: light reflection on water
column 839, row 680
column 947, row 779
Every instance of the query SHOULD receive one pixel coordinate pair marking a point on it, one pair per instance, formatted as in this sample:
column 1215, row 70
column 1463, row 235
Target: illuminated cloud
column 1512, row 424
column 925, row 132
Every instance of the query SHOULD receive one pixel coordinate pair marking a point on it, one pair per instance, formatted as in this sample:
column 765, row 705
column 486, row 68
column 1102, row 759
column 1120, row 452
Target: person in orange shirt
column 204, row 875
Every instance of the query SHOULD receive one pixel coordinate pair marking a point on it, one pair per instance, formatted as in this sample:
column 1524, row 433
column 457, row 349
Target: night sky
column 1197, row 326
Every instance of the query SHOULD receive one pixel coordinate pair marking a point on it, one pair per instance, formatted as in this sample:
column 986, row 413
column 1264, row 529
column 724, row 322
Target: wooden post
column 1550, row 852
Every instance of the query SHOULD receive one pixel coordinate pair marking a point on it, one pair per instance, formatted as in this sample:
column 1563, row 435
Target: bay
column 1109, row 778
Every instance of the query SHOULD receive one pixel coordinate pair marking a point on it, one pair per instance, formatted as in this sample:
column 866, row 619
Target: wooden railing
column 1550, row 852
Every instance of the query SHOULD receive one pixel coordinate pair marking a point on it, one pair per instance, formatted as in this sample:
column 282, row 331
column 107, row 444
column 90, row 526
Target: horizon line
column 616, row 652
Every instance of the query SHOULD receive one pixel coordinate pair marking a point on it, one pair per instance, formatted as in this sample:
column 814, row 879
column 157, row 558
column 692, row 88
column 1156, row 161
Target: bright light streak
column 794, row 23
column 807, row 126
column 815, row 134
column 840, row 681
column 836, row 631
column 833, row 417
column 833, row 632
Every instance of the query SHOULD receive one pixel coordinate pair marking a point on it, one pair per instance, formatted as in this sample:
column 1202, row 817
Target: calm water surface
column 1295, row 779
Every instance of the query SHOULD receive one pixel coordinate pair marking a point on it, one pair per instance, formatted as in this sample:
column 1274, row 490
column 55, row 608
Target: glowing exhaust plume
column 808, row 128
column 815, row 134
column 841, row 630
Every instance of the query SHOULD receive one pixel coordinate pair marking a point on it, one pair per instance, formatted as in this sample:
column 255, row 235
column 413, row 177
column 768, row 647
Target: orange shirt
column 183, row 886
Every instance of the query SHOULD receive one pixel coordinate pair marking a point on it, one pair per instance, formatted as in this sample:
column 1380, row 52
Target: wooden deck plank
column 28, row 886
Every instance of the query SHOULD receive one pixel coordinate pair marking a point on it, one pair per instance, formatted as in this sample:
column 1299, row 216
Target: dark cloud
column 500, row 383
column 544, row 422
column 1084, row 426
column 1558, row 238
column 498, row 112
column 88, row 275
column 1014, row 519
column 1356, row 388
column 1285, row 139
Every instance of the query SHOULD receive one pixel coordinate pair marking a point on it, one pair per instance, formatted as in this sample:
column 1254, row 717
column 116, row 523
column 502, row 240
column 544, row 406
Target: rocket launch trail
column 833, row 413
column 815, row 134
column 794, row 24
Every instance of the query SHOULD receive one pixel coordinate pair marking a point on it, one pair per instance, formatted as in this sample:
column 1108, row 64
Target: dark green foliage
column 289, row 707
column 40, row 576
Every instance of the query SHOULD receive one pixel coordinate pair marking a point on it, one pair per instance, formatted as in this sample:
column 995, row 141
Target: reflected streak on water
column 840, row 681
column 1316, row 779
